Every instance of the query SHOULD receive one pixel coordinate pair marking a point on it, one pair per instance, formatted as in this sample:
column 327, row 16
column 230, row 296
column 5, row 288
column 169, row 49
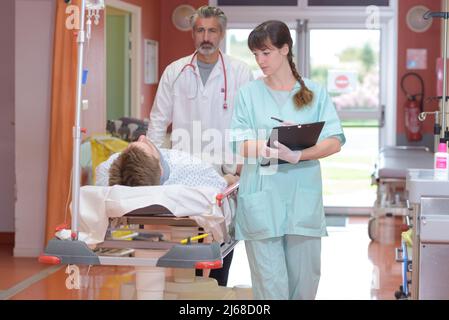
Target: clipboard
column 296, row 137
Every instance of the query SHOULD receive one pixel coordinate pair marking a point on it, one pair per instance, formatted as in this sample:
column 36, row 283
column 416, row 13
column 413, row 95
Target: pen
column 277, row 119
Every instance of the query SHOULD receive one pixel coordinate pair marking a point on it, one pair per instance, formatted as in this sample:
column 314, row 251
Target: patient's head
column 138, row 165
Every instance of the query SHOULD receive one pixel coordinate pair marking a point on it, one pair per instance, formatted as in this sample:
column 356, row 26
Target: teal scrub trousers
column 286, row 267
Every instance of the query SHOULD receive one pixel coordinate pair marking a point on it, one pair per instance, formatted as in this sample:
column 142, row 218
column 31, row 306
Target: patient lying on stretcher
column 193, row 185
column 143, row 164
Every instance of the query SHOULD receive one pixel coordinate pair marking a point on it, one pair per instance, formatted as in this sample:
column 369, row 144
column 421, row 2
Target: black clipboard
column 296, row 137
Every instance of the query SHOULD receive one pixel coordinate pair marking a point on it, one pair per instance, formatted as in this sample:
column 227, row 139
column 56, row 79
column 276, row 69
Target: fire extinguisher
column 413, row 106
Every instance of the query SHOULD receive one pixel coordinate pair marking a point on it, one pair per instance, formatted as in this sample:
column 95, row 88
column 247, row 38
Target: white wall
column 34, row 55
column 7, row 116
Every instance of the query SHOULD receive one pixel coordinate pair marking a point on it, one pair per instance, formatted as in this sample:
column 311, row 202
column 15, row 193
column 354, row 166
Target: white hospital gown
column 185, row 169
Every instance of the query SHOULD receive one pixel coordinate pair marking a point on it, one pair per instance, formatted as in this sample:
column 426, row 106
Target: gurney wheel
column 400, row 295
column 373, row 224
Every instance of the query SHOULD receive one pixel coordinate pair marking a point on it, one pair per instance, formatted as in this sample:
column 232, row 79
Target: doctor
column 196, row 95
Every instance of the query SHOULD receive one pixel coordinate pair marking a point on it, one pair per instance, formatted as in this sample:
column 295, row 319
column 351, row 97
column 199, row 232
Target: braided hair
column 278, row 34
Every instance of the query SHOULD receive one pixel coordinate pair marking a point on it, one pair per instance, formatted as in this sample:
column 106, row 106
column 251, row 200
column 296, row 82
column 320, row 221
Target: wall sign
column 416, row 59
column 341, row 81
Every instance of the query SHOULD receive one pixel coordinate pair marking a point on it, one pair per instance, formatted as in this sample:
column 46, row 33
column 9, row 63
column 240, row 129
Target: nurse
column 280, row 211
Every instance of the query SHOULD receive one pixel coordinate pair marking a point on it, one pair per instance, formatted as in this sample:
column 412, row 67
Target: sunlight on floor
column 346, row 271
column 239, row 273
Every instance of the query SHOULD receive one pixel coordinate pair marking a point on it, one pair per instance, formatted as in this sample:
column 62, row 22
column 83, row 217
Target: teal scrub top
column 282, row 199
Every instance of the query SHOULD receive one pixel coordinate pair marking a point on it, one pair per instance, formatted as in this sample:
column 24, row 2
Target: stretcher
column 108, row 211
column 389, row 176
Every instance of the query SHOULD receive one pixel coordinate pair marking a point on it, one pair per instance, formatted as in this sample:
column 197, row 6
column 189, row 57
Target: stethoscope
column 193, row 67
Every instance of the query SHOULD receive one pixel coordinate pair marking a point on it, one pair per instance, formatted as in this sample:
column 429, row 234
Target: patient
column 143, row 164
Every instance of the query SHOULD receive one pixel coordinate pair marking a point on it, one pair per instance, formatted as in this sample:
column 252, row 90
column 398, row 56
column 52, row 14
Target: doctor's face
column 270, row 59
column 207, row 35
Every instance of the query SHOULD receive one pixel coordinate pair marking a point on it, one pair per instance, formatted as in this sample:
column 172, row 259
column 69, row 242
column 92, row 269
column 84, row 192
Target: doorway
column 118, row 63
column 123, row 37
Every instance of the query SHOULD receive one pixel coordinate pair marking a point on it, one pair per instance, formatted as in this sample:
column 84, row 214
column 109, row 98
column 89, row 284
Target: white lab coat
column 195, row 109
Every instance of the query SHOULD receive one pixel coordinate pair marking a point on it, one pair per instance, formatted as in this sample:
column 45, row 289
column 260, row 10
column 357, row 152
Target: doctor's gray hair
column 209, row 12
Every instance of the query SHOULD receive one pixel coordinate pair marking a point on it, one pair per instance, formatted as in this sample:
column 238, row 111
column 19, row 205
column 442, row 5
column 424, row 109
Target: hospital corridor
column 212, row 151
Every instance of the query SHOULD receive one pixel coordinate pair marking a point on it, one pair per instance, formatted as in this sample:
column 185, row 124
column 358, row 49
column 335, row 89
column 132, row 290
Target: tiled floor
column 13, row 271
column 353, row 267
column 99, row 283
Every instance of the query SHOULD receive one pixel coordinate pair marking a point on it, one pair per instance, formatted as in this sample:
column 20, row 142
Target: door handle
column 382, row 116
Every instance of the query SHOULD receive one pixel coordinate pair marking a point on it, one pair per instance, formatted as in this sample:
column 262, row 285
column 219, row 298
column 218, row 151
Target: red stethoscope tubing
column 190, row 64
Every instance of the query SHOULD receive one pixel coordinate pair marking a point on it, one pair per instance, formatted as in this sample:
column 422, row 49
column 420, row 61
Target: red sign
column 342, row 82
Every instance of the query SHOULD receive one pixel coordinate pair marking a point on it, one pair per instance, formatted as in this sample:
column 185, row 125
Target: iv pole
column 440, row 130
column 94, row 5
column 77, row 129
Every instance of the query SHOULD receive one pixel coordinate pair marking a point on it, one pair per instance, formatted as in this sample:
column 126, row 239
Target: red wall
column 429, row 40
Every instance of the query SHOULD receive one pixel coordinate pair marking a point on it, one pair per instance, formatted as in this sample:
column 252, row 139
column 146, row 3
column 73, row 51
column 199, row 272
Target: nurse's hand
column 284, row 153
column 267, row 152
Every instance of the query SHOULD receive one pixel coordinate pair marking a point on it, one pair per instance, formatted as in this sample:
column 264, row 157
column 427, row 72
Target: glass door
column 346, row 61
column 118, row 63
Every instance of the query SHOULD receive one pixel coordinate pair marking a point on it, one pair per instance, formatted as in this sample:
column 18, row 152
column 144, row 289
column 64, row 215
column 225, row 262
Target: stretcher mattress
column 98, row 204
column 393, row 162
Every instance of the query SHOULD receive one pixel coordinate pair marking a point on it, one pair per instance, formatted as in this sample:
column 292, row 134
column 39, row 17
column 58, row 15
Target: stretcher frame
column 391, row 198
column 190, row 255
column 386, row 203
